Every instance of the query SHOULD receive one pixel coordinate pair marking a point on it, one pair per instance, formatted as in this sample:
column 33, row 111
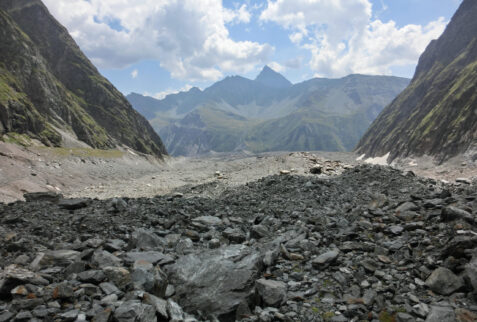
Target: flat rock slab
column 208, row 220
column 215, row 281
column 325, row 259
column 152, row 257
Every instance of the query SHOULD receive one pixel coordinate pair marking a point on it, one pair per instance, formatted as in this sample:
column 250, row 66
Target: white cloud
column 276, row 67
column 240, row 15
column 343, row 37
column 189, row 37
column 134, row 73
column 163, row 94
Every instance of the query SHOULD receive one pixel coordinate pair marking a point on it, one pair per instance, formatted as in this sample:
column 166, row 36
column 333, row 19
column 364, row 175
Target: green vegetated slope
column 437, row 114
column 48, row 86
column 270, row 114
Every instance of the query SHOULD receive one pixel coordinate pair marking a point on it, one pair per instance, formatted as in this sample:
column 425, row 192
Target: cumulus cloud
column 276, row 67
column 189, row 38
column 134, row 73
column 343, row 37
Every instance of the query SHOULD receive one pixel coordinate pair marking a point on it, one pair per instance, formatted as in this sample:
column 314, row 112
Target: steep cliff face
column 437, row 114
column 48, row 86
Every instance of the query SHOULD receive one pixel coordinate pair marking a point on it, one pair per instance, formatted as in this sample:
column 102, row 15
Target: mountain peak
column 271, row 78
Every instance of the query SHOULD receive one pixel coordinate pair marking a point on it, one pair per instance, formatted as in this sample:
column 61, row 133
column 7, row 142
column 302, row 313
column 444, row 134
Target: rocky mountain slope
column 50, row 91
column 436, row 114
column 373, row 244
column 269, row 113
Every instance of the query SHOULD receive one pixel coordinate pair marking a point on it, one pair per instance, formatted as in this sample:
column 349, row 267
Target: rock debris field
column 373, row 244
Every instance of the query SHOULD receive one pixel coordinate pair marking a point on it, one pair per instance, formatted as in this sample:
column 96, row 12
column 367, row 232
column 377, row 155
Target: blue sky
column 159, row 47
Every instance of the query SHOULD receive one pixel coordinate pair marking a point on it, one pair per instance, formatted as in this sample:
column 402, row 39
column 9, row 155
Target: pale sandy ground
column 39, row 169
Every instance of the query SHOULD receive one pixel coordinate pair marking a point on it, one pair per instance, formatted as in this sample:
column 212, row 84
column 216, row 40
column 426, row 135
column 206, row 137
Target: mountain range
column 437, row 114
column 51, row 92
column 269, row 113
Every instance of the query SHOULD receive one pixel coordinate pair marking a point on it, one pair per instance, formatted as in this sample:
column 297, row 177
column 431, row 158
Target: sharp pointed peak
column 272, row 78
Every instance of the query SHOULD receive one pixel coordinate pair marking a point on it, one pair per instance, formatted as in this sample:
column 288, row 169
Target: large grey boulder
column 273, row 293
column 443, row 281
column 215, row 281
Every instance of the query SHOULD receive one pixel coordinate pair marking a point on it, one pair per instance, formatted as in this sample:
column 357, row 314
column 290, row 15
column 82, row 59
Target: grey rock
column 441, row 314
column 159, row 304
column 119, row 204
column 63, row 291
column 208, row 220
column 471, row 272
column 325, row 259
column 132, row 311
column 73, row 204
column 69, row 315
column 13, row 276
column 396, row 230
column 103, row 315
column 75, row 268
column 145, row 240
column 235, row 235
column 404, row 317
column 444, row 281
column 120, row 276
column 176, row 314
column 452, row 213
column 23, row 316
column 421, row 310
column 149, row 278
column 214, row 243
column 215, row 281
column 259, row 231
column 273, row 293
column 56, row 257
column 369, row 265
column 92, row 276
column 114, row 245
column 103, row 258
column 109, row 288
column 153, row 257
column 184, row 245
column 407, row 206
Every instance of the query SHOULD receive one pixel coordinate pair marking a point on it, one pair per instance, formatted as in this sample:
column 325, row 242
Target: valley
column 347, row 197
column 269, row 113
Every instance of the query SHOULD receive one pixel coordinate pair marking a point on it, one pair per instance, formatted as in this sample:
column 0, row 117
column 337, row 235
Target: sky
column 159, row 47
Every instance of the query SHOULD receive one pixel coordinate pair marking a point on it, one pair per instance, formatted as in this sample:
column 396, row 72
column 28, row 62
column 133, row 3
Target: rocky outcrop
column 373, row 243
column 436, row 115
column 48, row 86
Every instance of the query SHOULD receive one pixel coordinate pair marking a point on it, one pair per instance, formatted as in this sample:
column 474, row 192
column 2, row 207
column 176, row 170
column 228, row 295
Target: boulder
column 272, row 293
column 444, row 281
column 215, row 281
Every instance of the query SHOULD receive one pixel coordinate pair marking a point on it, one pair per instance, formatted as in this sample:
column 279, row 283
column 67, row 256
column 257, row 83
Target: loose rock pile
column 371, row 244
